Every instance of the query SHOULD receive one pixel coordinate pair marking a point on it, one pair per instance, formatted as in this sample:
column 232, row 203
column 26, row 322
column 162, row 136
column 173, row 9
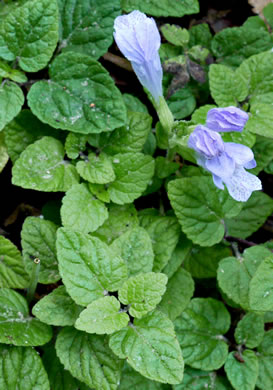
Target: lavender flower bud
column 226, row 119
column 206, row 142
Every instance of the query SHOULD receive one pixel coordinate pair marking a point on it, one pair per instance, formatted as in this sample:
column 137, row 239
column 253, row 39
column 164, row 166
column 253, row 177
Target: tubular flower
column 138, row 39
column 226, row 119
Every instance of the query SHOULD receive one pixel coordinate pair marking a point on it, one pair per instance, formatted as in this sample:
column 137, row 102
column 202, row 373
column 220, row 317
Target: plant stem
column 33, row 279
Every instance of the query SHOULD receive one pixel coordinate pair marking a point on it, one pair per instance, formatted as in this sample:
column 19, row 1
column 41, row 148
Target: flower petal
column 241, row 184
column 218, row 182
column 226, row 119
column 150, row 75
column 222, row 166
column 241, row 154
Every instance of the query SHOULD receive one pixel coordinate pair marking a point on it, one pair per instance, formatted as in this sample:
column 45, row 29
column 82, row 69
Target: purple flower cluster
column 225, row 160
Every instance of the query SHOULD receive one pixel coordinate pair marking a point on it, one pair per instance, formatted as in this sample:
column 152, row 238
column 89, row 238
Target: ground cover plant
column 137, row 141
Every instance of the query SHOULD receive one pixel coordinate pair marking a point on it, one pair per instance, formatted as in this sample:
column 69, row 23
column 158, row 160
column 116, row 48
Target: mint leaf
column 133, row 172
column 22, row 367
column 261, row 286
column 74, row 144
column 16, row 325
column 134, row 104
column 179, row 291
column 41, row 166
column 38, row 240
column 199, row 380
column 80, row 96
column 164, row 233
column 96, row 169
column 263, row 153
column 250, row 330
column 252, row 216
column 176, row 35
column 200, row 35
column 100, row 192
column 164, row 8
column 4, row 157
column 179, row 255
column 135, row 248
column 164, row 167
column 200, row 114
column 88, row 267
column 9, row 92
column 143, row 292
column 151, row 348
column 57, row 308
column 261, row 120
column 245, row 138
column 200, row 208
column 12, row 271
column 242, row 375
column 102, row 316
column 81, row 211
column 130, row 379
column 265, row 356
column 182, row 103
column 89, row 359
column 199, row 330
column 29, row 33
column 13, row 74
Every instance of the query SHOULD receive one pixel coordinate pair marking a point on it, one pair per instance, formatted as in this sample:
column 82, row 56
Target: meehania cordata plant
column 104, row 284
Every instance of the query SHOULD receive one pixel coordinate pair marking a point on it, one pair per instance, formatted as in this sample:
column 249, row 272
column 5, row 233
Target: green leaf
column 261, row 287
column 252, row 216
column 200, row 35
column 245, row 138
column 132, row 380
column 200, row 208
column 100, row 191
column 164, row 8
column 263, row 153
column 38, row 240
column 200, row 380
column 176, row 35
column 267, row 13
column 265, row 356
column 203, row 262
column 12, row 271
column 199, row 331
column 151, row 348
column 135, row 248
column 80, row 211
column 143, row 292
column 260, row 122
column 74, row 144
column 96, row 169
column 87, row 26
column 16, row 325
column 182, row 103
column 9, row 92
column 22, row 368
column 29, row 34
column 133, row 172
column 164, row 167
column 250, row 330
column 89, row 359
column 226, row 88
column 179, row 291
column 164, row 233
column 200, row 114
column 4, row 157
column 102, row 316
column 178, row 256
column 57, row 308
column 234, row 275
column 242, row 374
column 42, row 167
column 80, row 96
column 13, row 74
column 121, row 219
column 87, row 266
column 59, row 378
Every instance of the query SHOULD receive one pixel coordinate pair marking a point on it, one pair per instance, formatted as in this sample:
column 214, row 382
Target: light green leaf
column 182, row 103
column 252, row 216
column 245, row 138
column 242, row 375
column 200, row 208
column 87, row 266
column 133, row 172
column 261, row 287
column 38, row 240
column 80, row 96
column 200, row 114
column 261, row 120
column 100, row 191
column 151, row 348
column 203, row 262
column 200, row 380
column 42, row 167
column 102, row 316
column 164, row 233
column 87, row 25
column 89, row 359
column 4, row 157
column 164, row 8
column 130, row 379
column 135, row 248
column 164, row 167
column 75, row 144
column 13, row 74
column 22, row 368
column 234, row 275
column 263, row 153
column 12, row 271
column 143, row 292
column 134, row 104
column 226, row 88
column 11, row 101
column 200, row 35
column 178, row 256
column 178, row 294
column 16, row 325
column 176, row 35
column 29, row 34
column 265, row 356
column 96, row 169
column 199, row 331
column 80, row 211
column 57, row 308
column 250, row 330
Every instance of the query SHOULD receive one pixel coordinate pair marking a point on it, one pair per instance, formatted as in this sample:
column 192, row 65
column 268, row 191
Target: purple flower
column 226, row 161
column 226, row 119
column 138, row 39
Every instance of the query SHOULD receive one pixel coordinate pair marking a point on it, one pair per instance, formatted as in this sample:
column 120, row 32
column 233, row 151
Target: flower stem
column 33, row 279
column 165, row 115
